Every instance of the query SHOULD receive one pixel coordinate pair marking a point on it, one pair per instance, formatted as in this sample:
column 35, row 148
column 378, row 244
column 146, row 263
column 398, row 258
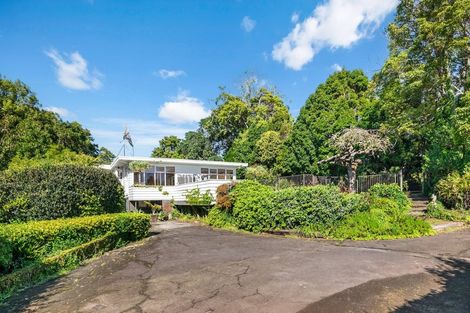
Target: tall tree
column 341, row 102
column 268, row 113
column 168, row 148
column 27, row 131
column 197, row 146
column 424, row 85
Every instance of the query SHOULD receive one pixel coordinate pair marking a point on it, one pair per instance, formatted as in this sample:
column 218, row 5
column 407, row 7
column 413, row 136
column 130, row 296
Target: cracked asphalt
column 197, row 269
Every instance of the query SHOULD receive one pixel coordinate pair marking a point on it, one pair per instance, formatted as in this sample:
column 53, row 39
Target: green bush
column 259, row 208
column 32, row 241
column 438, row 211
column 57, row 192
column 454, row 190
column 252, row 206
column 393, row 192
column 301, row 206
column 377, row 224
column 220, row 218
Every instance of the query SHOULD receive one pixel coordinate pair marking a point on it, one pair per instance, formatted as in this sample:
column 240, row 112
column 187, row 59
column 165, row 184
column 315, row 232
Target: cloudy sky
column 155, row 67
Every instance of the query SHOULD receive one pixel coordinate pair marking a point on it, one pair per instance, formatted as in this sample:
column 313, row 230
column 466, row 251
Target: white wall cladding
column 120, row 168
column 178, row 193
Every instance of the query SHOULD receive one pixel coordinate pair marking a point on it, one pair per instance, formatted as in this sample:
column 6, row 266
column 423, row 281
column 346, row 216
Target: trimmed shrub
column 252, row 206
column 454, row 190
column 35, row 240
column 393, row 192
column 259, row 208
column 301, row 206
column 57, row 192
column 33, row 251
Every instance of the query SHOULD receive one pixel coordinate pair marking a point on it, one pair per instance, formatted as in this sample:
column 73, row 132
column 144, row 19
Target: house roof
column 121, row 160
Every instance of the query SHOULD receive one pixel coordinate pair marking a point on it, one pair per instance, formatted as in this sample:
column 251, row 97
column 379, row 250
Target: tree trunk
column 352, row 168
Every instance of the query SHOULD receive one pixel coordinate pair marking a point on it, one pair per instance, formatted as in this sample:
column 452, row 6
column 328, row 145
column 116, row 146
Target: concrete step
column 445, row 226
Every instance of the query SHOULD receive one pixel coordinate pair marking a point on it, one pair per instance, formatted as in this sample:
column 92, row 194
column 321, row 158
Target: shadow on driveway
column 445, row 288
column 454, row 296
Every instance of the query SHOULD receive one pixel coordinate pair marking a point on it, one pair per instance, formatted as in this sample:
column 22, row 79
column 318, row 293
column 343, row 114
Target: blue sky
column 155, row 66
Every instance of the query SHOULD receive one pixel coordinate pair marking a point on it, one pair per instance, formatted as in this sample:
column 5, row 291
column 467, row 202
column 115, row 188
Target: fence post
column 303, row 179
column 401, row 178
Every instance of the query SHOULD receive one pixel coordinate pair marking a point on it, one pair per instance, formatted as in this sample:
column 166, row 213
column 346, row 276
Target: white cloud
column 183, row 109
column 333, row 24
column 337, row 67
column 62, row 112
column 248, row 24
column 295, row 17
column 170, row 73
column 74, row 74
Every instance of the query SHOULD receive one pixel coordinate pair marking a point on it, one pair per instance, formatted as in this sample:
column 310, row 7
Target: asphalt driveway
column 197, row 269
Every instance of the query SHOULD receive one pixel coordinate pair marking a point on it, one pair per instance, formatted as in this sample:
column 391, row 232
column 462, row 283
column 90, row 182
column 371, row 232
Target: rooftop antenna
column 126, row 137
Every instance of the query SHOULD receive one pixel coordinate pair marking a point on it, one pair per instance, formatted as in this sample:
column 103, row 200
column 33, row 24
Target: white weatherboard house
column 170, row 179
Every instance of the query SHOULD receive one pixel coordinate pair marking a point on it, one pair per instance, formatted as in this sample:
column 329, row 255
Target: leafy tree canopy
column 27, row 131
column 239, row 122
column 168, row 148
column 423, row 87
column 341, row 102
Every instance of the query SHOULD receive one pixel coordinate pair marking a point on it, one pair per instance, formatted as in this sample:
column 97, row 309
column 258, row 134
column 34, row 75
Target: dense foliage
column 320, row 211
column 438, row 211
column 34, row 250
column 259, row 208
column 27, row 131
column 454, row 190
column 195, row 146
column 339, row 103
column 58, row 191
column 423, row 87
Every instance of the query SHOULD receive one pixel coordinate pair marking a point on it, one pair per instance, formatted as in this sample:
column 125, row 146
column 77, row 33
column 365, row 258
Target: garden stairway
column 419, row 203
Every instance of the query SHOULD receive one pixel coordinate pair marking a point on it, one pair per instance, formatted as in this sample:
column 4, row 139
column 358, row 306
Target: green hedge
column 34, row 250
column 32, row 241
column 57, row 192
column 321, row 211
column 259, row 208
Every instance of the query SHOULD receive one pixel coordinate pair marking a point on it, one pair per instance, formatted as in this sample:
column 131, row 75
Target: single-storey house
column 167, row 180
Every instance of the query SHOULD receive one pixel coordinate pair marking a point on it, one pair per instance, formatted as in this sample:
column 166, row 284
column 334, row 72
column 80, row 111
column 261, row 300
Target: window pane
column 150, row 176
column 170, row 179
column 204, row 171
column 221, row 173
column 160, row 169
column 229, row 171
column 136, row 178
column 149, row 179
column 213, row 174
column 160, row 179
column 170, row 169
column 229, row 174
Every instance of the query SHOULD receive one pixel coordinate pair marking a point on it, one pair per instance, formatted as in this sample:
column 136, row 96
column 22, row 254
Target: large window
column 150, row 176
column 160, row 176
column 170, row 176
column 156, row 176
column 214, row 173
